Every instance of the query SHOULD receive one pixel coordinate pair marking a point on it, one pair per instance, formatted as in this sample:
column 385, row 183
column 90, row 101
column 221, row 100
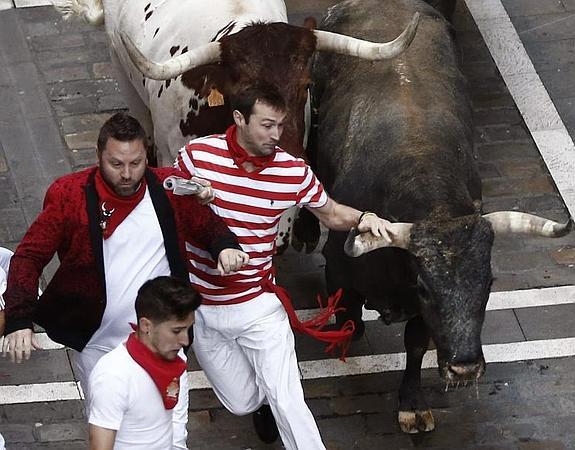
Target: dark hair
column 122, row 127
column 165, row 298
column 245, row 99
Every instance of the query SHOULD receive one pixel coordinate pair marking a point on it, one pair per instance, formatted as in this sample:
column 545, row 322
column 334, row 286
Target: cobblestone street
column 57, row 87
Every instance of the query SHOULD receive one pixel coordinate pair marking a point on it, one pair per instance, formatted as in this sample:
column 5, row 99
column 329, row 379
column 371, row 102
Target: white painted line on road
column 527, row 298
column 362, row 365
column 6, row 4
column 357, row 365
column 42, row 392
column 31, row 3
column 531, row 97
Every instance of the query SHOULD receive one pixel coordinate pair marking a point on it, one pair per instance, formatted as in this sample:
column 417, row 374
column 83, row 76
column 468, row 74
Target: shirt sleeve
column 109, row 398
column 184, row 161
column 311, row 192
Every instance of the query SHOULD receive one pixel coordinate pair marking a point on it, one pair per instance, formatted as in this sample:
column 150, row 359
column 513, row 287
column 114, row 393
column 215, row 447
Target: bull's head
column 275, row 52
column 452, row 259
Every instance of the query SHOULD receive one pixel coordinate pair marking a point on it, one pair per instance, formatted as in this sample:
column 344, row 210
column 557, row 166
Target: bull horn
column 206, row 54
column 520, row 222
column 358, row 243
column 346, row 45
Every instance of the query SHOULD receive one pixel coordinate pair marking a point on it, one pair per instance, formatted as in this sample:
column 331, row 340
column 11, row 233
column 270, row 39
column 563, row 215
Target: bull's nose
column 465, row 371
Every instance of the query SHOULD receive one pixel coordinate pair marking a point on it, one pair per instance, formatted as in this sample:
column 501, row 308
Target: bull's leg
column 306, row 231
column 414, row 414
column 351, row 301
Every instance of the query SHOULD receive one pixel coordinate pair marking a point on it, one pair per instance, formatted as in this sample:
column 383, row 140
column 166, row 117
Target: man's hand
column 207, row 194
column 377, row 226
column 19, row 345
column 231, row 260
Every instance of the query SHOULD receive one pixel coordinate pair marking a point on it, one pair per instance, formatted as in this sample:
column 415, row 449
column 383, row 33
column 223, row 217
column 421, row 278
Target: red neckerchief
column 166, row 374
column 240, row 155
column 113, row 208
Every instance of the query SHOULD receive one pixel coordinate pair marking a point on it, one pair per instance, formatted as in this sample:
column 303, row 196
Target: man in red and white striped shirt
column 242, row 335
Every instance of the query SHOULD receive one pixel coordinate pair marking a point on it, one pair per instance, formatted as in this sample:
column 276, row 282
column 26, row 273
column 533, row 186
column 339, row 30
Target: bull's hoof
column 416, row 421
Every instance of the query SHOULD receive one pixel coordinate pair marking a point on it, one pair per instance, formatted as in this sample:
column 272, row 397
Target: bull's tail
column 90, row 11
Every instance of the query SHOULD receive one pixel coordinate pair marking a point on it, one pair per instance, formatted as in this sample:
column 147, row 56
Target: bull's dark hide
column 394, row 137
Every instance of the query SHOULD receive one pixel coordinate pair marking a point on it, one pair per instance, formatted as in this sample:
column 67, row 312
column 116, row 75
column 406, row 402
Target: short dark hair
column 245, row 99
column 122, row 127
column 165, row 298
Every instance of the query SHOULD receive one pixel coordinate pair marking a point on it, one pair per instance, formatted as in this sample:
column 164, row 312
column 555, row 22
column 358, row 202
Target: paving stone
column 83, row 88
column 565, row 256
column 490, row 100
column 520, row 260
column 56, row 432
column 496, row 116
column 82, row 140
column 44, row 366
column 113, row 103
column 354, row 427
column 501, row 327
column 75, row 106
column 559, row 82
column 546, row 322
column 103, row 70
column 83, row 158
column 542, row 445
column 13, row 224
column 547, row 27
column 532, row 7
column 507, row 150
column 384, row 338
column 203, row 399
column 84, row 122
column 566, row 108
column 78, row 445
column 18, row 433
column 14, row 46
column 45, row 412
column 552, row 55
column 79, row 72
column 521, row 168
column 506, row 133
column 43, row 43
column 539, row 185
column 77, row 55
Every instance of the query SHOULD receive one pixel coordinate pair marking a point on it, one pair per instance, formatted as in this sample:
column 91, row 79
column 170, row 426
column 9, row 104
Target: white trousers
column 247, row 353
column 85, row 361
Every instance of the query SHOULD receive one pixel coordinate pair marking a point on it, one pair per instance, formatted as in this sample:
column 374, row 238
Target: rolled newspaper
column 182, row 186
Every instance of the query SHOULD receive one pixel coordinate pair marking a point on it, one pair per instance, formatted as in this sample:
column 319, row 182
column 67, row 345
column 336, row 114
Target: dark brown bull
column 394, row 137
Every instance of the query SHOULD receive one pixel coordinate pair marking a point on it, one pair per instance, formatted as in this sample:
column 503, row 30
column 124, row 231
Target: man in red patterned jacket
column 113, row 227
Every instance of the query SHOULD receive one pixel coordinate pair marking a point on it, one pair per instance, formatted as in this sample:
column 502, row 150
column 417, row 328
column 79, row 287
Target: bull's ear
column 358, row 243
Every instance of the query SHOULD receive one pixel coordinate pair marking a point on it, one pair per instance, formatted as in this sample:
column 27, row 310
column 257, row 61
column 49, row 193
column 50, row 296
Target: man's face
column 167, row 338
column 122, row 165
column 262, row 134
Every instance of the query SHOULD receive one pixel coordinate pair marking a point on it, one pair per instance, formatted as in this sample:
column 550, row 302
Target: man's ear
column 238, row 117
column 145, row 325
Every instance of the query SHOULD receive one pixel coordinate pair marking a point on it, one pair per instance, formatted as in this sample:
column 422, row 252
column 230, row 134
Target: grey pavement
column 57, row 87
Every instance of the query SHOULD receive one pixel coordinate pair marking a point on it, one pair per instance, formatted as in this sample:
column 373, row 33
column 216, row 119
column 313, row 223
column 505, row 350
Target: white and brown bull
column 394, row 137
column 191, row 55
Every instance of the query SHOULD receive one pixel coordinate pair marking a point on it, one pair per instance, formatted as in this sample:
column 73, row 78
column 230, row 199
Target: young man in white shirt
column 136, row 386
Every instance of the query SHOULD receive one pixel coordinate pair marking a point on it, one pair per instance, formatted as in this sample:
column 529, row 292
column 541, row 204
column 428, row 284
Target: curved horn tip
column 564, row 228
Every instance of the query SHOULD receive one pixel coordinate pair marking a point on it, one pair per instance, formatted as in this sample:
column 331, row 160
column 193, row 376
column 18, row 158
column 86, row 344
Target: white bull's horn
column 346, row 45
column 520, row 222
column 206, row 54
column 358, row 243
